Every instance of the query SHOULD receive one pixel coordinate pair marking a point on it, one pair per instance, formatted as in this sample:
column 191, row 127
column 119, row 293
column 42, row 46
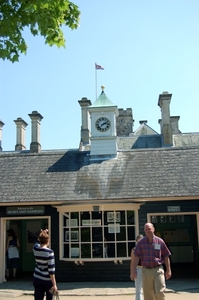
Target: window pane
column 121, row 249
column 111, row 249
column 131, row 245
column 66, row 251
column 97, row 234
column 74, row 251
column 108, row 236
column 122, row 218
column 65, row 220
column 86, row 251
column 96, row 215
column 84, row 216
column 121, row 236
column 130, row 217
column 85, row 234
column 97, row 250
column 74, row 219
column 131, row 232
column 74, row 215
column 66, row 235
column 74, row 235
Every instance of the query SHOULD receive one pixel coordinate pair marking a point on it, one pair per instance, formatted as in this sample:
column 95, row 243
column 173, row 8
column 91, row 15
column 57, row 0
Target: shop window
column 98, row 235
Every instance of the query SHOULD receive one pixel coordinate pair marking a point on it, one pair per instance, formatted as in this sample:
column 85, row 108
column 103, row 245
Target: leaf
column 42, row 17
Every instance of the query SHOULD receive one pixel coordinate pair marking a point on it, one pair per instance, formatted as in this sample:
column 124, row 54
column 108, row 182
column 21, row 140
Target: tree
column 42, row 17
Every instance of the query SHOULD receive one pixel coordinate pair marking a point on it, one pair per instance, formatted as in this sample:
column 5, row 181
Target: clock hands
column 104, row 123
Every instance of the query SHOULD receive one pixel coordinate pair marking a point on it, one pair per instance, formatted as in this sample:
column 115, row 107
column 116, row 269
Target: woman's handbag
column 56, row 296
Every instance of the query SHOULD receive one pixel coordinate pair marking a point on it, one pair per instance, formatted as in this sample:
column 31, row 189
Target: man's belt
column 153, row 267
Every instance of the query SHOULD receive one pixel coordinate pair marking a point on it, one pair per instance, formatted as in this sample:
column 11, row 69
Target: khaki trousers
column 153, row 283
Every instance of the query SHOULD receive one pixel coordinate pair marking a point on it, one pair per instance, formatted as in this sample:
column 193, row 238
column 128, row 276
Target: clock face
column 102, row 124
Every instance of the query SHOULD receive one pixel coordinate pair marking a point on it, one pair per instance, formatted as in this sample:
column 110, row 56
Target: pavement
column 17, row 288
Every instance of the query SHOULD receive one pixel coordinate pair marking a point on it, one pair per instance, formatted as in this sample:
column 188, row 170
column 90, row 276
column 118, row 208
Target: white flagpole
column 95, row 81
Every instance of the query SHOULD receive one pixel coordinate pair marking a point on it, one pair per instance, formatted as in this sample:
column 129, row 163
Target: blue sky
column 145, row 46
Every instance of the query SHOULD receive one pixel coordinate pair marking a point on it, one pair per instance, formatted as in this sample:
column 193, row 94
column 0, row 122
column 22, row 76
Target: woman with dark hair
column 44, row 274
column 12, row 253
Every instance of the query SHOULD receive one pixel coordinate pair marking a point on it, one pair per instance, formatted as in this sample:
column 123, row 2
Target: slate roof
column 143, row 174
column 139, row 142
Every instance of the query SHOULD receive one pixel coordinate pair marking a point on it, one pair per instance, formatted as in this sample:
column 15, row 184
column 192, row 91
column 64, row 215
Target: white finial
column 102, row 87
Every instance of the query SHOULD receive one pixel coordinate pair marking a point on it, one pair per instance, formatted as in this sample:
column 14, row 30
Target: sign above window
column 25, row 210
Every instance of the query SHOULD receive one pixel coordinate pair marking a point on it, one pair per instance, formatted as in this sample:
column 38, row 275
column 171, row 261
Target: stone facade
column 124, row 122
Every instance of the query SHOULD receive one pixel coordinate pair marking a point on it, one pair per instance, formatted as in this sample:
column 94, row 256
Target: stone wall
column 124, row 122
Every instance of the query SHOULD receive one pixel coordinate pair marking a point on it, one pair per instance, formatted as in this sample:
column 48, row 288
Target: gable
column 144, row 129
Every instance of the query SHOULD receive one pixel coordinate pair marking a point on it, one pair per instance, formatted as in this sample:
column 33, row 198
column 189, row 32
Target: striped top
column 151, row 254
column 45, row 262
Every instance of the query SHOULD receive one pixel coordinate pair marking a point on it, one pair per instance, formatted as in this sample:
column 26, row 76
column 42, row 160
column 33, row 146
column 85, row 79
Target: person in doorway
column 12, row 253
column 44, row 274
column 153, row 252
column 138, row 279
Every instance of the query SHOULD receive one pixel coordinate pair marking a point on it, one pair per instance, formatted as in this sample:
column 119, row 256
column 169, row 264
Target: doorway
column 181, row 236
column 27, row 231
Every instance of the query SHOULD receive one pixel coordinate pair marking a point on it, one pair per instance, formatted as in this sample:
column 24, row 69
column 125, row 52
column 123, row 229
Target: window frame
column 67, row 210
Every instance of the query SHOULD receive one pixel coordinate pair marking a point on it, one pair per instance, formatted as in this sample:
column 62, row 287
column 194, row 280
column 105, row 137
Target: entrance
column 180, row 234
column 27, row 231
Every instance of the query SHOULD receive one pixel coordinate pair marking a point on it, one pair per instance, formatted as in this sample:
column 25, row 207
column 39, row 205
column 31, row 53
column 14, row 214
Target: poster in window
column 74, row 236
column 74, row 252
column 96, row 222
column 113, row 216
column 117, row 216
column 114, row 228
column 73, row 222
column 110, row 216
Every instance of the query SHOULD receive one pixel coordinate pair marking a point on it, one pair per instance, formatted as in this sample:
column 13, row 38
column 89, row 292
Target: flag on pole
column 98, row 67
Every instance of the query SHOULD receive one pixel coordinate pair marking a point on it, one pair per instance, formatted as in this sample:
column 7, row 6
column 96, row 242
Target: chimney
column 143, row 122
column 1, row 125
column 164, row 103
column 35, row 146
column 20, row 134
column 85, row 127
column 174, row 124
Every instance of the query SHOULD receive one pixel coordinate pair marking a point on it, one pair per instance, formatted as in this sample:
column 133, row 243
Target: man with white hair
column 153, row 252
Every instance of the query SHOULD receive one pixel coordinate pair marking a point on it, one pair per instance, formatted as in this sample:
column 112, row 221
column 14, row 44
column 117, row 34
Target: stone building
column 95, row 199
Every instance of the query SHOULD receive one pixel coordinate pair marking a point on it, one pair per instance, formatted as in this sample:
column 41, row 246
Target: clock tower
column 103, row 128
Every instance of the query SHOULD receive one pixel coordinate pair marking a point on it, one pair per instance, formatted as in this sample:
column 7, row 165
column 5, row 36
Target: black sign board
column 25, row 210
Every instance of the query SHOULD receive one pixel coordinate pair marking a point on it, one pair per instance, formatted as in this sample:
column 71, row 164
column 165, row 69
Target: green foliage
column 42, row 17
